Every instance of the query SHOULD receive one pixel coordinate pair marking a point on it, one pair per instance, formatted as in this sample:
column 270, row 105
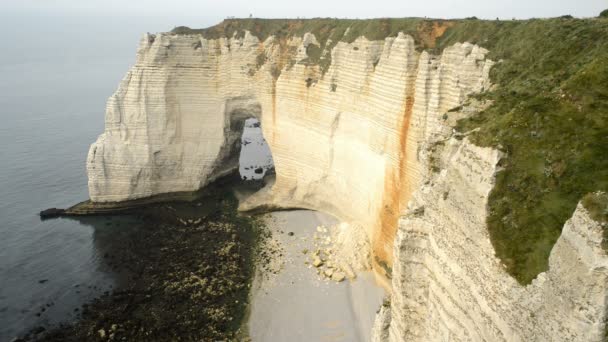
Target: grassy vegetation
column 328, row 31
column 549, row 112
column 550, row 116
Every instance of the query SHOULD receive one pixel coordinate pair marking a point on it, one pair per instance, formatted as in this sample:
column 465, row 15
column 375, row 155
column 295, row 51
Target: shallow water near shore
column 295, row 304
column 42, row 262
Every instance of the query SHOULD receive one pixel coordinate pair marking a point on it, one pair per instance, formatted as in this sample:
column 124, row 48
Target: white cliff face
column 345, row 142
column 449, row 286
column 170, row 126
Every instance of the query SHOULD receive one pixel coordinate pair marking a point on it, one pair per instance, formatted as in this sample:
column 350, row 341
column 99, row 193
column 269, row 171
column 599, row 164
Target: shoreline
column 190, row 269
column 161, row 298
column 89, row 208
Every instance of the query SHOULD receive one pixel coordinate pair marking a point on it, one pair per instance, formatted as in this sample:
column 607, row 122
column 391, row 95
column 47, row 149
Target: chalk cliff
column 359, row 140
column 345, row 142
column 449, row 286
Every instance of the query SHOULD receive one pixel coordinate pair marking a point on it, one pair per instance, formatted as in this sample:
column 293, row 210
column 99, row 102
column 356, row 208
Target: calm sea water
column 55, row 76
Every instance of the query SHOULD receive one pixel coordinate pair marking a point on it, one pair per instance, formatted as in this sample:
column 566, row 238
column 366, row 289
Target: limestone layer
column 449, row 286
column 345, row 142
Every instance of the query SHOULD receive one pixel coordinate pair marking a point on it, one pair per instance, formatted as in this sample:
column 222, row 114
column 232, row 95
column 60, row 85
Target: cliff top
column 428, row 33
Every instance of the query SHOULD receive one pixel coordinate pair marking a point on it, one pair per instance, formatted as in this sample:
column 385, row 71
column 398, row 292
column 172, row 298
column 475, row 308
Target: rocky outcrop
column 449, row 286
column 345, row 141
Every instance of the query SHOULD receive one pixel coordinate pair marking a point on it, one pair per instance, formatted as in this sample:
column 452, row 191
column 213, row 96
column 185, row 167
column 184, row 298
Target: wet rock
column 38, row 330
column 51, row 213
column 198, row 263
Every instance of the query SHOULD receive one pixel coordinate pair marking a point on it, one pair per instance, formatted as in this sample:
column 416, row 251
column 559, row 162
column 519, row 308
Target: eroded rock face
column 358, row 142
column 346, row 142
column 448, row 284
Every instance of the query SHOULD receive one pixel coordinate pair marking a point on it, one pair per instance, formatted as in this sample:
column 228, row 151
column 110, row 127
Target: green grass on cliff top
column 549, row 115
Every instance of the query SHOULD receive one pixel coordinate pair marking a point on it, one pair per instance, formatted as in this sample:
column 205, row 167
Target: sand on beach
column 296, row 304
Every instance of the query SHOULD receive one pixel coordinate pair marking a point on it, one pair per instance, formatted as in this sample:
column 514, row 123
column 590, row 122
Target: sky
column 205, row 12
column 99, row 30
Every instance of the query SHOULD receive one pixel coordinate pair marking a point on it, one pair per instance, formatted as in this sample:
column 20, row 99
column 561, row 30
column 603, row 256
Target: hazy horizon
column 205, row 13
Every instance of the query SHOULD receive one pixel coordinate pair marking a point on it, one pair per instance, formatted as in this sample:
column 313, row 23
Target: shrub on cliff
column 182, row 30
column 604, row 13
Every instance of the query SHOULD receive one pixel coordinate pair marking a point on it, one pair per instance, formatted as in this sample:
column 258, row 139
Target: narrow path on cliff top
column 296, row 304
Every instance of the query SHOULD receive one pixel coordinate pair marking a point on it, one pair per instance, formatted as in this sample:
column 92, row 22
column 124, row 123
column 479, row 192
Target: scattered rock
column 42, row 281
column 259, row 170
column 338, row 276
column 328, row 272
column 189, row 268
column 290, row 233
column 317, row 262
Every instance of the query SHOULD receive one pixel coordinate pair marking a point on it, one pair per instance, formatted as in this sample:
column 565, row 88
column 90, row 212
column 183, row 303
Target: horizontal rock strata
column 449, row 286
column 345, row 142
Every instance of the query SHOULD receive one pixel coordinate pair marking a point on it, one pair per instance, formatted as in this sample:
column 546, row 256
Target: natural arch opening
column 244, row 148
column 255, row 158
